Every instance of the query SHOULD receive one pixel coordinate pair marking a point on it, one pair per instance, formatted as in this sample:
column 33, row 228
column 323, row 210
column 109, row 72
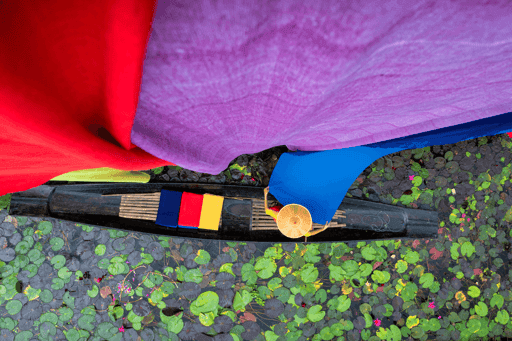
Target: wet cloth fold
column 320, row 180
column 222, row 79
column 70, row 76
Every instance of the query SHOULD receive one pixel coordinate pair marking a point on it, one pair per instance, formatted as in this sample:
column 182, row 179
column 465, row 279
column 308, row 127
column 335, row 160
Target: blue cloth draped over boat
column 320, row 180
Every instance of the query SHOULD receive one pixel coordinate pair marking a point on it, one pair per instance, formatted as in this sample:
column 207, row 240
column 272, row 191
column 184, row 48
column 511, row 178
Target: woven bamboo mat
column 262, row 221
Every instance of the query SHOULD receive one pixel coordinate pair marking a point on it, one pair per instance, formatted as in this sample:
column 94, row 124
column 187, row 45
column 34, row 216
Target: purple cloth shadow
column 224, row 80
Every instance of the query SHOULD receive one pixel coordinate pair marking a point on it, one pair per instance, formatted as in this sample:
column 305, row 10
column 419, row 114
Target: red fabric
column 70, row 74
column 510, row 135
column 276, row 209
column 190, row 209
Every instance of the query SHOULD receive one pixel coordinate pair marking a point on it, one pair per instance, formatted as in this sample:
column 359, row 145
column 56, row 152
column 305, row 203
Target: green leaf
column 502, row 317
column 282, row 294
column 45, row 227
column 473, row 291
column 417, row 181
column 22, row 247
column 269, row 336
column 481, row 309
column 427, row 280
column 86, row 322
column 156, row 296
column 34, row 255
column 5, row 201
column 58, row 261
column 343, row 303
column 337, row 329
column 203, row 257
column 13, row 307
column 156, row 278
column 105, row 330
column 167, row 288
column 474, row 325
column 206, row 319
column 401, row 266
column 321, row 295
column 415, row 166
column 66, row 314
column 412, row 321
column 336, row 273
column 93, row 292
column 365, row 308
column 158, row 170
column 366, row 269
column 381, row 276
column 7, row 323
column 394, row 333
column 242, row 298
column 147, row 258
column 417, row 332
column 103, row 263
column 119, row 311
column 326, row 334
column 64, row 273
column 497, row 301
column 57, row 243
column 266, row 267
column 467, row 249
column 368, row 253
column 315, row 313
column 207, row 301
column 148, row 283
column 46, row 296
column 309, row 273
column 69, row 300
column 23, row 336
column 117, row 259
column 100, row 250
column 174, row 323
column 168, row 270
column 194, row 275
column 49, row 317
column 412, row 257
column 116, row 268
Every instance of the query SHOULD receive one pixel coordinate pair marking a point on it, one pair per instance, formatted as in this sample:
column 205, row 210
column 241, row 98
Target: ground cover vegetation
column 66, row 281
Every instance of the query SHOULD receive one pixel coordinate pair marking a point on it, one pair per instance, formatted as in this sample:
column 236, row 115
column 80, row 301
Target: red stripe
column 190, row 209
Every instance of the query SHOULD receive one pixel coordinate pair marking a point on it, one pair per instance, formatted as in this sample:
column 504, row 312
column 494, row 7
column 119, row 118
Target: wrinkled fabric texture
column 334, row 171
column 70, row 76
column 223, row 79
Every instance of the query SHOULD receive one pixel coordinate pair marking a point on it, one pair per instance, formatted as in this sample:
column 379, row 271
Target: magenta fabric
column 221, row 79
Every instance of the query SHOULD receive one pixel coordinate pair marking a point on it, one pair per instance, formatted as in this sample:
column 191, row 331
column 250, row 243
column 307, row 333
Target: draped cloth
column 227, row 78
column 320, row 180
column 70, row 76
column 136, row 84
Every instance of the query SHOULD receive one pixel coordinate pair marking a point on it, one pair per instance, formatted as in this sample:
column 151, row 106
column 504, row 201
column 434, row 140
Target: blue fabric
column 320, row 180
column 169, row 208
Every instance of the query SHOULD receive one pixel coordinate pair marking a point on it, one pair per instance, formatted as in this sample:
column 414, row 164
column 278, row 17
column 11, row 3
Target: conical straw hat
column 294, row 221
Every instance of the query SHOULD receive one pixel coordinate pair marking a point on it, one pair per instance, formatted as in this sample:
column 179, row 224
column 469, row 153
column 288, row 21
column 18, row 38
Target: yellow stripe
column 271, row 213
column 211, row 212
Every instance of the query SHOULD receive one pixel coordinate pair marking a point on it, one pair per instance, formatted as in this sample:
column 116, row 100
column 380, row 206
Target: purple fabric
column 221, row 80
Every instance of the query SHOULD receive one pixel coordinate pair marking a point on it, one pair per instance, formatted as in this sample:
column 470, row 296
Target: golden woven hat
column 294, row 221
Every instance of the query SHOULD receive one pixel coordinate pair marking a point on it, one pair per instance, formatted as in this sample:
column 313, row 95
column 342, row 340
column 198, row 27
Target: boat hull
column 243, row 218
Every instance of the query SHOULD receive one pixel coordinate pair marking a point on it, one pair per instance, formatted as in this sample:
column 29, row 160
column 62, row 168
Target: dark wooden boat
column 243, row 215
